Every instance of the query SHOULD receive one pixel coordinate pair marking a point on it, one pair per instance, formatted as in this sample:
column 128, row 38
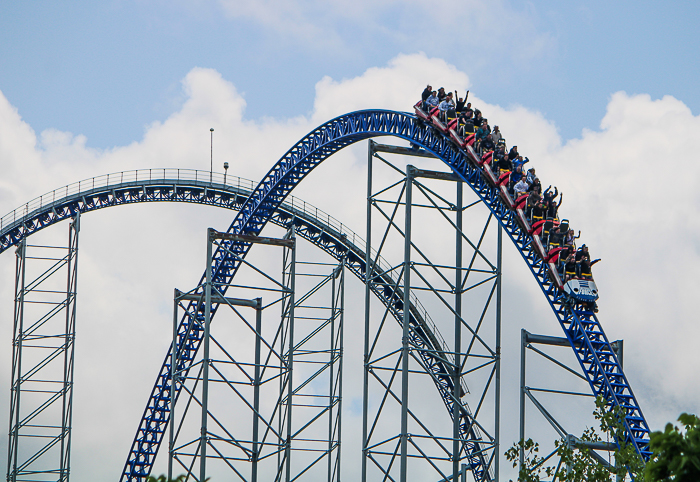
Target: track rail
column 311, row 223
column 581, row 327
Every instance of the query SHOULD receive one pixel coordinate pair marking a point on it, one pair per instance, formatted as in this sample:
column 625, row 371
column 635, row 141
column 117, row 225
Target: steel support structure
column 533, row 342
column 271, row 368
column 414, row 443
column 41, row 400
column 580, row 325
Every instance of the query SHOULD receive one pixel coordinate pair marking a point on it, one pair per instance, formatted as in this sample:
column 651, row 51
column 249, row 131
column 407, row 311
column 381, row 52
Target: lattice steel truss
column 560, row 397
column 414, row 444
column 42, row 360
column 265, row 405
column 581, row 326
column 266, row 203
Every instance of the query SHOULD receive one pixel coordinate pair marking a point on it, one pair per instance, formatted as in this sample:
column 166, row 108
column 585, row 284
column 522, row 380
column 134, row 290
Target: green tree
column 578, row 464
column 577, row 461
column 533, row 465
column 676, row 453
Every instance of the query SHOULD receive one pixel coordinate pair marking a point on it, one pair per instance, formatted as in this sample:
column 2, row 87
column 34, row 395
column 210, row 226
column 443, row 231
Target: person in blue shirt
column 432, row 100
column 481, row 134
column 447, row 104
column 519, row 161
column 517, row 175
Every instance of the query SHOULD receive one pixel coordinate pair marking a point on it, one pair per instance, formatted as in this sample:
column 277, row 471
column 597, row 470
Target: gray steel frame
column 289, row 348
column 408, row 351
column 527, row 342
column 41, row 403
column 415, row 261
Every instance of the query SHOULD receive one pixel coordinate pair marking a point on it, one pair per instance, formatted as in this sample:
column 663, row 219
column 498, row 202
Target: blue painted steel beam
column 581, row 327
column 325, row 234
column 596, row 356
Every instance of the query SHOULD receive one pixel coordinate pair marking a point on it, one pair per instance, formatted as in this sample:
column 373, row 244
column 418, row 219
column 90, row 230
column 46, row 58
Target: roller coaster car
column 503, row 189
column 486, row 158
column 452, row 129
column 522, row 220
column 544, row 226
column 554, row 275
column 564, row 225
column 420, row 112
column 521, row 201
column 547, row 227
column 470, row 139
column 537, row 227
column 504, row 179
column 483, row 163
column 488, row 175
column 505, row 196
column 472, row 154
column 583, row 290
column 539, row 248
column 435, row 119
column 553, row 255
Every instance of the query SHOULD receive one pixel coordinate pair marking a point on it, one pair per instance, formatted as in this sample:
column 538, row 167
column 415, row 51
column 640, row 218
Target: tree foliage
column 577, row 461
column 676, row 453
column 533, row 464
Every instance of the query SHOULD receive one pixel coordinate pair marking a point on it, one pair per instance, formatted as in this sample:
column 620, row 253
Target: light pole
column 225, row 171
column 211, row 159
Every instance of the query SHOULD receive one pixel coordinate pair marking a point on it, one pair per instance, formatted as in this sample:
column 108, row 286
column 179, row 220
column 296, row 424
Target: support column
column 173, row 367
column 256, row 390
column 523, row 344
column 68, row 353
column 290, row 355
column 497, row 401
column 330, row 384
column 248, row 451
column 368, row 295
column 205, row 361
column 340, row 361
column 337, row 294
column 618, row 348
column 457, row 378
column 43, row 360
column 406, row 323
column 20, row 277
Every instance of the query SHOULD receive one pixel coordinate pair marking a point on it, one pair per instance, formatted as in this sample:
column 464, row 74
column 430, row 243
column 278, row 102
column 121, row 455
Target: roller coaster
column 470, row 447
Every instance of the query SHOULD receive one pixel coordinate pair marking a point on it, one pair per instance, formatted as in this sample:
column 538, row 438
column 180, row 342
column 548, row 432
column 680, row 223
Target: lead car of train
column 580, row 290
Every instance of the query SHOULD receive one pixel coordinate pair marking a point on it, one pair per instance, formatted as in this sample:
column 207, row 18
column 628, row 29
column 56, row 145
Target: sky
column 599, row 95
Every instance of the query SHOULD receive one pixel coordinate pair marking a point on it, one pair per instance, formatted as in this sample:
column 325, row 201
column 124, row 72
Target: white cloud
column 17, row 150
column 405, row 75
column 635, row 197
column 630, row 187
column 471, row 29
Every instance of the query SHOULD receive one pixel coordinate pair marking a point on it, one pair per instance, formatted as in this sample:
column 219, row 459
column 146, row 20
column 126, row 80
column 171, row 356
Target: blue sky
column 107, row 69
column 88, row 88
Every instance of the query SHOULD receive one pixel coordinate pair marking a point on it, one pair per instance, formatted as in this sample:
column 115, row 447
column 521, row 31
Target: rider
column 432, row 101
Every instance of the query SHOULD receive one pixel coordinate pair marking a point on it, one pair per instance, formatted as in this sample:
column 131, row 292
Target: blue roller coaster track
column 580, row 325
column 310, row 223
